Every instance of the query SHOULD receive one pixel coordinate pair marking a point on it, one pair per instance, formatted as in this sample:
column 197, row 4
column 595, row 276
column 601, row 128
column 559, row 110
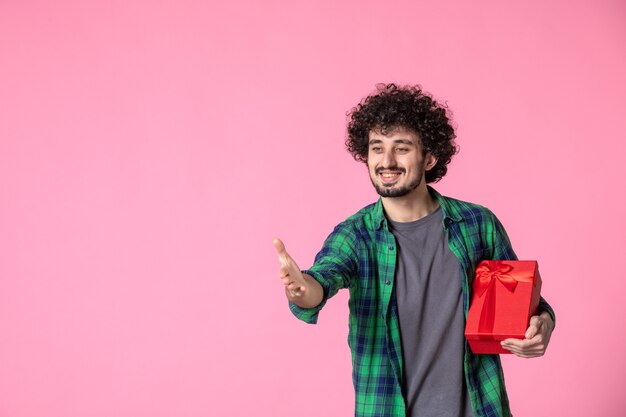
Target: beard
column 392, row 191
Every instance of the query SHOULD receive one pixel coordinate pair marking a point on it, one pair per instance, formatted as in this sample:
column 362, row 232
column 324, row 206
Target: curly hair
column 391, row 107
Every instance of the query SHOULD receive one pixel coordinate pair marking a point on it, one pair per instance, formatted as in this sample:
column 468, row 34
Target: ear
column 430, row 161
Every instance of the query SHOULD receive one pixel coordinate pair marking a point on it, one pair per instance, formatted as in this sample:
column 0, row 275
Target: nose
column 389, row 160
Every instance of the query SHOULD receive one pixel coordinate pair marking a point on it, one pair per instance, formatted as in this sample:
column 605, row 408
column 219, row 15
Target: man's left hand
column 536, row 339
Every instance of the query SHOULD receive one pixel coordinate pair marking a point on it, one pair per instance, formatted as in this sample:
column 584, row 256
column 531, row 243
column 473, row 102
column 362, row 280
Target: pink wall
column 149, row 151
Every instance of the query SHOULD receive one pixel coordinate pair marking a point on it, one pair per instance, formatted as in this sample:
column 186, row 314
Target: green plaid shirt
column 360, row 254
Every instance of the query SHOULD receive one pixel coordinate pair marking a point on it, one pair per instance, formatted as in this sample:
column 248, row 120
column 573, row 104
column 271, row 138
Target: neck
column 413, row 206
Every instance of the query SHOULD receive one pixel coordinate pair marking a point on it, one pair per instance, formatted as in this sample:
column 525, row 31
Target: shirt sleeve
column 503, row 250
column 334, row 268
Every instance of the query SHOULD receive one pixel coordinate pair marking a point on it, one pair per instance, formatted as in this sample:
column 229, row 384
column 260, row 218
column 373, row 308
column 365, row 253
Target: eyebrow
column 401, row 141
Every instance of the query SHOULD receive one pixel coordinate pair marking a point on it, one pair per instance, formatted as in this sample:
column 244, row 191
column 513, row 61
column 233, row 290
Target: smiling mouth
column 388, row 176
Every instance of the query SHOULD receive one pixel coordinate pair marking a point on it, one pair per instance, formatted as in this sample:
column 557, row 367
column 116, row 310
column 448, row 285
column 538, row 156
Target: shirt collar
column 448, row 212
column 449, row 215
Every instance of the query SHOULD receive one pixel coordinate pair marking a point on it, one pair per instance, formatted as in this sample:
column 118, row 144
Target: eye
column 402, row 150
column 376, row 149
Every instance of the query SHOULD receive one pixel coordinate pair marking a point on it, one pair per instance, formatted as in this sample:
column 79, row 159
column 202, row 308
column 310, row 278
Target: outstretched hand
column 289, row 272
column 300, row 288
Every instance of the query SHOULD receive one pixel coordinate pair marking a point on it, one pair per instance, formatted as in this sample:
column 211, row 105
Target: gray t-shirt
column 430, row 308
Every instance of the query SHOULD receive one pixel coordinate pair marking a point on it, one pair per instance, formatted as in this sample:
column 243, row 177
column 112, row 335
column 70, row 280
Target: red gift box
column 506, row 295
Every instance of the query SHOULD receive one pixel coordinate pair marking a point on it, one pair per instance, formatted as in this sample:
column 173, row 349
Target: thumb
column 533, row 328
column 280, row 249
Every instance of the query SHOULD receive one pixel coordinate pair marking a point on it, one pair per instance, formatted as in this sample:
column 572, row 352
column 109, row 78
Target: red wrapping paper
column 506, row 294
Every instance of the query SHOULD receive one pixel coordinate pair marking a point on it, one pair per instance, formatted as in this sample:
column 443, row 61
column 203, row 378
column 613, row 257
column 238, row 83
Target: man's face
column 396, row 162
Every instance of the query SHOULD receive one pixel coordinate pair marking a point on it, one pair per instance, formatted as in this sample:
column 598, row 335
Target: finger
column 518, row 351
column 283, row 271
column 522, row 343
column 525, row 355
column 294, row 286
column 527, row 348
column 513, row 343
column 534, row 327
column 295, row 291
column 283, row 256
column 279, row 245
column 511, row 349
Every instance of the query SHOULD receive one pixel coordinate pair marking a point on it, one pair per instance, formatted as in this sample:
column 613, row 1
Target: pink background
column 149, row 151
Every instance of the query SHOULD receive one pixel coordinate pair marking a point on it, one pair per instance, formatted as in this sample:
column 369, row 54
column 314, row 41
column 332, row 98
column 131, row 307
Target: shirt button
column 388, row 282
column 391, row 247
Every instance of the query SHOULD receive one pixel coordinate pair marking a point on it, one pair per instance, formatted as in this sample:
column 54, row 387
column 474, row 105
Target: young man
column 409, row 261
